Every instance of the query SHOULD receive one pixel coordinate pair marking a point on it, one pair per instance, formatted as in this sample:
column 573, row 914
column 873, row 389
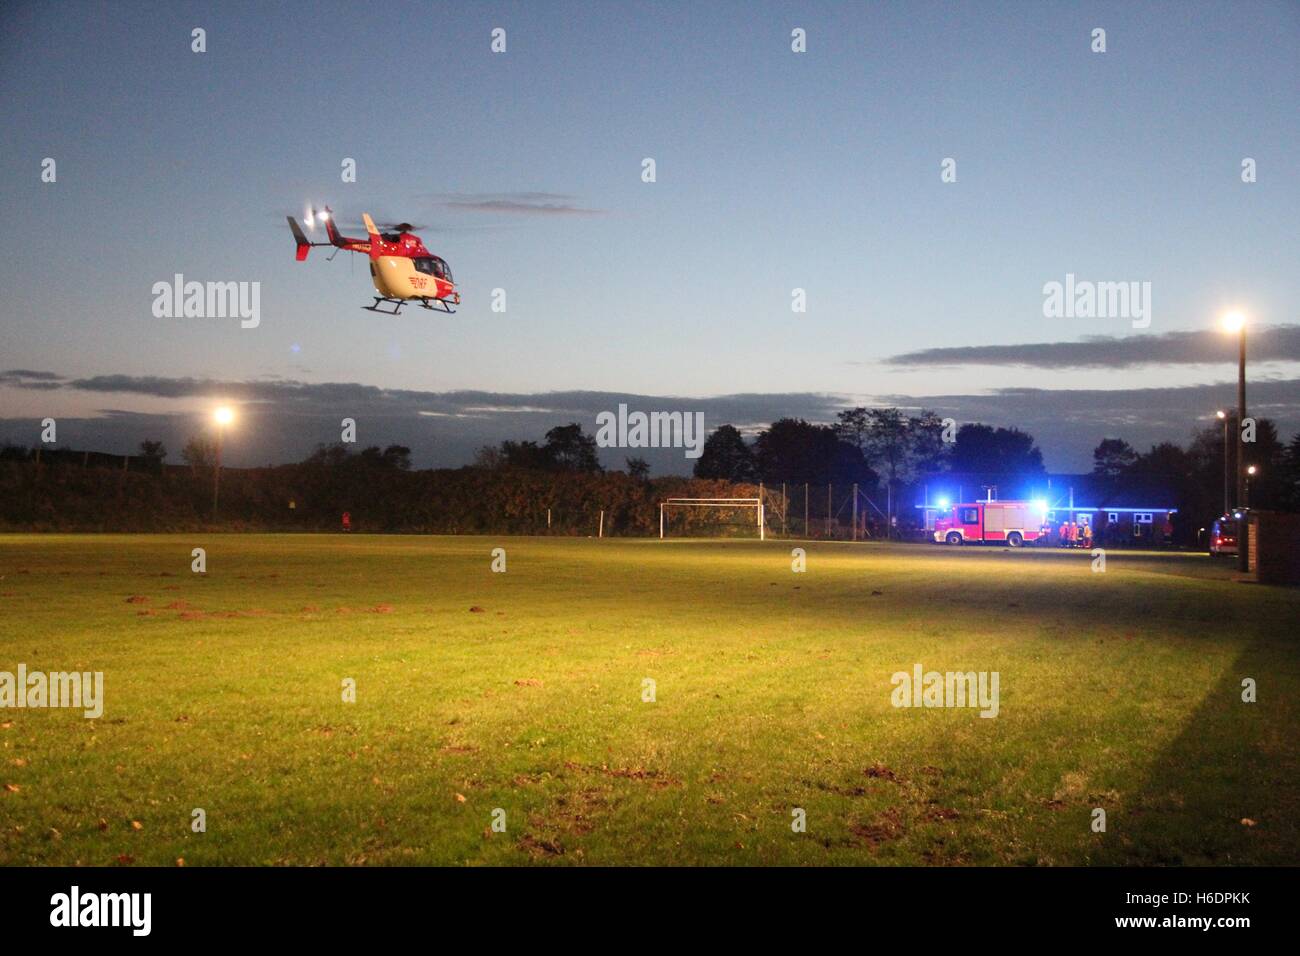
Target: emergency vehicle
column 994, row 522
column 1223, row 535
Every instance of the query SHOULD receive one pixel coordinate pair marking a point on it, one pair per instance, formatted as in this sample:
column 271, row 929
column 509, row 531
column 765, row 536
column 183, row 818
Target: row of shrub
column 313, row 495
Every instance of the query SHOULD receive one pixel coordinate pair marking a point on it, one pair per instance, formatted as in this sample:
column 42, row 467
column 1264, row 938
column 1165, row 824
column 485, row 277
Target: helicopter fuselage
column 402, row 268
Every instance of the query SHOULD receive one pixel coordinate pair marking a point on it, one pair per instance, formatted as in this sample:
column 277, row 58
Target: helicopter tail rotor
column 304, row 246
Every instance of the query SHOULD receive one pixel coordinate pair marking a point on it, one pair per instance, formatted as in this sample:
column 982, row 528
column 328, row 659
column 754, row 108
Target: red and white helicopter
column 402, row 269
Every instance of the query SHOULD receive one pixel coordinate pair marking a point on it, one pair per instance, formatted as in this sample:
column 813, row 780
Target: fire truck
column 994, row 522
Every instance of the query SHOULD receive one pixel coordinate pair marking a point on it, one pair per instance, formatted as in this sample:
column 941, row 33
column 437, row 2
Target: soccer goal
column 723, row 503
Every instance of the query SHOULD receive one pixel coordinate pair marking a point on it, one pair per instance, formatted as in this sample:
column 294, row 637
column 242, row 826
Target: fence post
column 601, row 533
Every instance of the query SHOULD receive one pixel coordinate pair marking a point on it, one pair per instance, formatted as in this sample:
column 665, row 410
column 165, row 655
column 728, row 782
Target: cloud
column 1278, row 343
column 516, row 204
column 26, row 378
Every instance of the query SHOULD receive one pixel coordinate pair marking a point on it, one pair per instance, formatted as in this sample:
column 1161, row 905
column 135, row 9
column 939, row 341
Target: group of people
column 1071, row 534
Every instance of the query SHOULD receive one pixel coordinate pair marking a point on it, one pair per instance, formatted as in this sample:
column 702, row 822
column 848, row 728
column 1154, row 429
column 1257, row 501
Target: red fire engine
column 1003, row 522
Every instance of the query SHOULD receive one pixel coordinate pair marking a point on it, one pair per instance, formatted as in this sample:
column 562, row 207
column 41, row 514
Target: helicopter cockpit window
column 433, row 266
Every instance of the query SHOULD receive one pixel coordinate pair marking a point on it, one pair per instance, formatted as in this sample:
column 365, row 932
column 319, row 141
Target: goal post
column 755, row 503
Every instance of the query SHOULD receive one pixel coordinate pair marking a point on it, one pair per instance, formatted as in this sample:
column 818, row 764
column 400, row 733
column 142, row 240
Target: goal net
column 713, row 517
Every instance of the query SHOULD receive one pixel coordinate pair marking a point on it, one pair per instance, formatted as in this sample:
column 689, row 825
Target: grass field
column 223, row 692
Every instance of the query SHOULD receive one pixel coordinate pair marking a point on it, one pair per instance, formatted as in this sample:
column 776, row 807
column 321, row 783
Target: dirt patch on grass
column 538, row 847
column 838, row 791
column 878, row 771
column 937, row 814
column 656, row 778
column 382, row 609
column 528, row 682
column 887, row 826
column 137, row 599
column 1072, row 786
column 575, row 814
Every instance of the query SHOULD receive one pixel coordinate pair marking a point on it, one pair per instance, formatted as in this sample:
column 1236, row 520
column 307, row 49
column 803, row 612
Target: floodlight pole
column 1227, row 481
column 661, row 521
column 216, row 475
column 1243, row 526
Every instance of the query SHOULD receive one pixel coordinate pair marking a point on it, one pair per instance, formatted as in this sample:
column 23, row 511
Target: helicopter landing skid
column 395, row 303
column 398, row 303
column 442, row 306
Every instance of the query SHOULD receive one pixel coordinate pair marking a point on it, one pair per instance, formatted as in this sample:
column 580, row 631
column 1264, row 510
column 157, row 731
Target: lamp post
column 1236, row 322
column 1227, row 472
column 223, row 416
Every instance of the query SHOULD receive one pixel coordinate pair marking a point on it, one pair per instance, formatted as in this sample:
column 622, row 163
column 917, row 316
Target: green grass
column 1118, row 690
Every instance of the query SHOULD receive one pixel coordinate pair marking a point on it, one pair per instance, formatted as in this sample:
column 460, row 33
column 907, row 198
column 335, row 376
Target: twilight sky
column 775, row 171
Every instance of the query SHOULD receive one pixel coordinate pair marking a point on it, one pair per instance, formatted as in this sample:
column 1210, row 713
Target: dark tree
column 571, row 450
column 795, row 451
column 199, row 452
column 638, row 468
column 887, row 441
column 526, row 454
column 851, row 427
column 153, row 450
column 398, row 457
column 1112, row 458
column 725, row 456
column 926, row 448
column 489, row 456
column 993, row 454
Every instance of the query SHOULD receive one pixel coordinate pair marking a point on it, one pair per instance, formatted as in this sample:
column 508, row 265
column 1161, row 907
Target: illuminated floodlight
column 1234, row 322
column 224, row 415
column 944, row 503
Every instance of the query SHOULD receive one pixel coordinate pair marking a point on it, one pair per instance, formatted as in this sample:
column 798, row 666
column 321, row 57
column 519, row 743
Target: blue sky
column 775, row 170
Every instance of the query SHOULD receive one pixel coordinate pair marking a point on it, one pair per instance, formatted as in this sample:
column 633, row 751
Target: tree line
column 510, row 487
